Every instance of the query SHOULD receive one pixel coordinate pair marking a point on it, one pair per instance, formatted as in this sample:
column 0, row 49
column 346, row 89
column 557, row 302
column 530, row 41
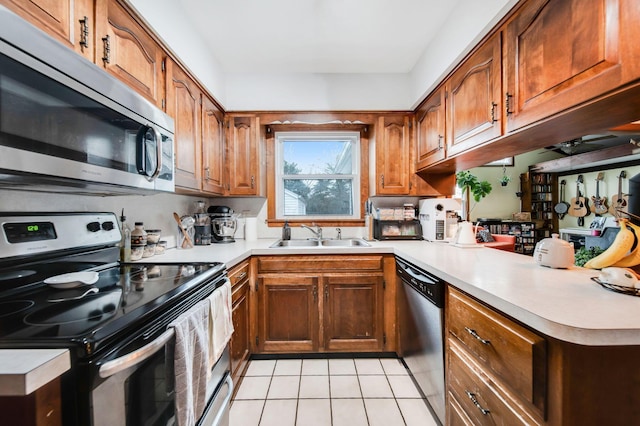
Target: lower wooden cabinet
column 288, row 313
column 42, row 407
column 325, row 304
column 239, row 345
column 496, row 368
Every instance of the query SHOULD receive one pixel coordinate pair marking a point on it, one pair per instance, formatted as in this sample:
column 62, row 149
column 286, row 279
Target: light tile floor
column 329, row 392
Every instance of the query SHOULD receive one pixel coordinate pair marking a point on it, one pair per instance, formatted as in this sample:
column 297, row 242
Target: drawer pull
column 472, row 397
column 474, row 334
column 241, row 276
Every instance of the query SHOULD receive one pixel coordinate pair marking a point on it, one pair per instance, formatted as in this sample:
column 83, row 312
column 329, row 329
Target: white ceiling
column 318, row 36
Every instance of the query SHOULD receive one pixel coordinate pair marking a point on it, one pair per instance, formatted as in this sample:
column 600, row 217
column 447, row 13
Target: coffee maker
column 223, row 224
column 202, row 226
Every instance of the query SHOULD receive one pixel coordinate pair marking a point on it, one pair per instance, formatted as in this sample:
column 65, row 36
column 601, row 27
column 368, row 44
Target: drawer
column 513, row 353
column 472, row 395
column 239, row 273
column 321, row 263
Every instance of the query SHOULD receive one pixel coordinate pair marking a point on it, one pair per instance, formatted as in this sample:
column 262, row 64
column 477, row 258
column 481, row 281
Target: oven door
column 138, row 387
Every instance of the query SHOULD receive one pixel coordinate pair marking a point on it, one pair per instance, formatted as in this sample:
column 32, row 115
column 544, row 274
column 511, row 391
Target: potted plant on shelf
column 470, row 184
column 504, row 180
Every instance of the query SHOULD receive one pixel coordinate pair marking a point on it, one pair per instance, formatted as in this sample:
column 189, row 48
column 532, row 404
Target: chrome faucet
column 317, row 232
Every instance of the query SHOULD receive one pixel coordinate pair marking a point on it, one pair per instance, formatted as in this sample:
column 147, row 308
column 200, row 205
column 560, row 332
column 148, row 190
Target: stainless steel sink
column 349, row 242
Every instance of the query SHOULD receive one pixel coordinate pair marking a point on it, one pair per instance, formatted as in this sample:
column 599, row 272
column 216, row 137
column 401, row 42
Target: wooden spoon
column 187, row 239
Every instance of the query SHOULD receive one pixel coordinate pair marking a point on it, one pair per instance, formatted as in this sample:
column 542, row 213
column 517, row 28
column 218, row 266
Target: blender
column 223, row 224
column 202, row 224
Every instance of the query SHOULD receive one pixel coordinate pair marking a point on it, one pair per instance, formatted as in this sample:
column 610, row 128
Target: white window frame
column 352, row 136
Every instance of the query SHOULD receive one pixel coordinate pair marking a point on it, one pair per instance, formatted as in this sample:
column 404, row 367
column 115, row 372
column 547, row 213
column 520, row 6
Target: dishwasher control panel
column 429, row 286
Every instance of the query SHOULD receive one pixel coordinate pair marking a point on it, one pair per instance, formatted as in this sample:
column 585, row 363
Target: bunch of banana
column 619, row 249
column 633, row 258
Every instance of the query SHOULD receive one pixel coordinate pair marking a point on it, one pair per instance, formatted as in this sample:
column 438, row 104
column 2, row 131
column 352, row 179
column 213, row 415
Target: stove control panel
column 34, row 233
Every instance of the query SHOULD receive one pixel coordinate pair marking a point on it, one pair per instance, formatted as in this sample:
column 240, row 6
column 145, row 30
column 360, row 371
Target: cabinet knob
column 84, row 32
column 472, row 397
column 106, row 52
column 477, row 336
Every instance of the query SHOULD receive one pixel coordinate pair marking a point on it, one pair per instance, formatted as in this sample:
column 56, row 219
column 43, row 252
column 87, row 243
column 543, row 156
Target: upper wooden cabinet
column 70, row 22
column 243, row 155
column 213, row 149
column 559, row 54
column 184, row 105
column 393, row 148
column 474, row 99
column 430, row 123
column 128, row 51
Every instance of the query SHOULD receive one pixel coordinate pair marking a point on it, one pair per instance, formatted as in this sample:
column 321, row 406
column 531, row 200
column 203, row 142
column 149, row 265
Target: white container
column 251, row 228
column 554, row 253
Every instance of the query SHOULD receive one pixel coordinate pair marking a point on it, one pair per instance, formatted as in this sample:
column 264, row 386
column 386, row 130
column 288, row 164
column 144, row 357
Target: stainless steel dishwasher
column 421, row 326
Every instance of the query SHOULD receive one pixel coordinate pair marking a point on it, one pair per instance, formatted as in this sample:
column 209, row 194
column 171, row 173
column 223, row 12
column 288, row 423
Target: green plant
column 470, row 184
column 583, row 255
column 504, row 179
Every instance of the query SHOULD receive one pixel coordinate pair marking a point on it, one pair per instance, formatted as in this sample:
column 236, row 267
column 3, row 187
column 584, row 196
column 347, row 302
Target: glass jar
column 138, row 235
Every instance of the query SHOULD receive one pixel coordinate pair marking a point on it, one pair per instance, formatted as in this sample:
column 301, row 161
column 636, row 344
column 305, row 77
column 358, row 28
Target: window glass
column 318, row 175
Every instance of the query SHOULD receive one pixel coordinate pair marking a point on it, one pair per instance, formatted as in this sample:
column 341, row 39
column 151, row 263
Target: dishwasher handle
column 416, row 273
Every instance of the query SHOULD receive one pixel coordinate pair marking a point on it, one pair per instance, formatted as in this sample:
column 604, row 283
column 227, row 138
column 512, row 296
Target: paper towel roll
column 251, row 229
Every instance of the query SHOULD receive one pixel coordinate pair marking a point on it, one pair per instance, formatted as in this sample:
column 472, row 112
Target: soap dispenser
column 286, row 231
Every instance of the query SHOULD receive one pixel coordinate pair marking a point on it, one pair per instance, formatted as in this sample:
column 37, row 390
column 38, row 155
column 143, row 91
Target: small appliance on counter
column 554, row 253
column 223, row 224
column 439, row 218
column 202, row 225
column 397, row 230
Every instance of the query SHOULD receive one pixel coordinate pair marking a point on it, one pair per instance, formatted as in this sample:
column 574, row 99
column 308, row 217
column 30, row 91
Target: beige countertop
column 563, row 304
column 23, row 371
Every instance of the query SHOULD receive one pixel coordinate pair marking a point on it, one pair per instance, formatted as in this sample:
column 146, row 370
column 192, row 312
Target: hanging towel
column 220, row 322
column 190, row 362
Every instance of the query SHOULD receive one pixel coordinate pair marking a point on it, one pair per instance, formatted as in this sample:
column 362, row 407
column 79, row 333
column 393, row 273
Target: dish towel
column 190, row 362
column 220, row 322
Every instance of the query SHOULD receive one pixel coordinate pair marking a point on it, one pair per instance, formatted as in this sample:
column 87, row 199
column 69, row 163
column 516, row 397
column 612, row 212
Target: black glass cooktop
column 123, row 297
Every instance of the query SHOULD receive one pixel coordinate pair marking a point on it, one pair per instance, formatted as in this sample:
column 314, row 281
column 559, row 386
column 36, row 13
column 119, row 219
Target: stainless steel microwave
column 66, row 125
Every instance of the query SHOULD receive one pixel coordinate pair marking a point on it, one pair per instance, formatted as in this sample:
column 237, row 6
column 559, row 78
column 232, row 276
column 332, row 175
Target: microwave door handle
column 142, row 152
column 158, row 136
column 117, row 365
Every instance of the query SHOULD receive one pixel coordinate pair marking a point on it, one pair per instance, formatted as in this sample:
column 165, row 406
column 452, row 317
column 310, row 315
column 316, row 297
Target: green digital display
column 24, row 232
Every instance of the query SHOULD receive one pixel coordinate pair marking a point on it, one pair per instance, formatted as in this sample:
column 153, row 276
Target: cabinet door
column 562, row 53
column 127, row 51
column 243, row 156
column 183, row 104
column 474, row 100
column 213, row 158
column 353, row 312
column 392, row 156
column 430, row 119
column 288, row 313
column 52, row 16
column 240, row 339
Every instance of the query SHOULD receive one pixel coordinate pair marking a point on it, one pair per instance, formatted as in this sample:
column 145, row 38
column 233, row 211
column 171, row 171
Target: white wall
column 169, row 21
column 468, row 23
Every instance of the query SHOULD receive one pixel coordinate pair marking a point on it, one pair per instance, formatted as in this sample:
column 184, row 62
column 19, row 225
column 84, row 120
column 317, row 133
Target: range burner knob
column 107, row 226
column 93, row 226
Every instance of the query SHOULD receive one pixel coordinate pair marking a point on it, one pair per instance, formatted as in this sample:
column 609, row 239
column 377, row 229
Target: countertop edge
column 24, row 371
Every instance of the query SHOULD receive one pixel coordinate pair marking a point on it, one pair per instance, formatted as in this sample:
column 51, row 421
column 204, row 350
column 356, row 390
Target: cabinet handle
column 472, row 397
column 241, row 276
column 106, row 53
column 84, row 32
column 315, row 293
column 253, row 181
column 382, row 180
column 440, row 139
column 507, row 103
column 474, row 334
column 326, row 293
column 493, row 112
column 206, row 173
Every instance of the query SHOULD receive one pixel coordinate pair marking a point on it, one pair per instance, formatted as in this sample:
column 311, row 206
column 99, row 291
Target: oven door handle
column 225, row 404
column 117, row 365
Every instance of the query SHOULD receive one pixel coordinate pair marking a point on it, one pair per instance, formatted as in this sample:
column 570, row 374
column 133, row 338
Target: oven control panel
column 34, row 233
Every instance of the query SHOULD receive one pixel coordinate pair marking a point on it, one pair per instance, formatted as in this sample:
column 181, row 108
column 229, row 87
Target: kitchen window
column 317, row 175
